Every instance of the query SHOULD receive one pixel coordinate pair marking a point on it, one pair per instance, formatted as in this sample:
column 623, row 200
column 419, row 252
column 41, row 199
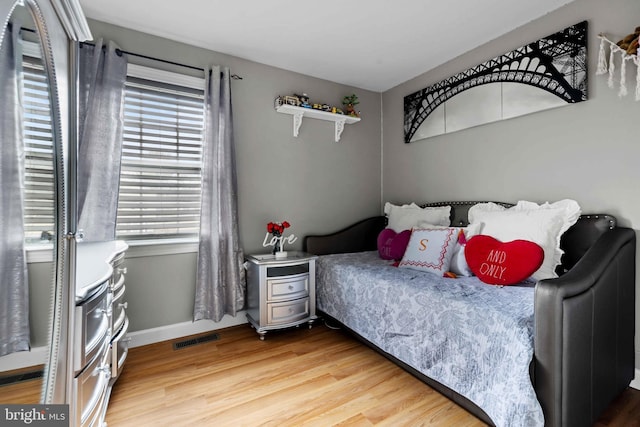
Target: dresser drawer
column 119, row 350
column 118, row 307
column 116, row 285
column 93, row 324
column 288, row 311
column 117, row 278
column 287, row 288
column 91, row 387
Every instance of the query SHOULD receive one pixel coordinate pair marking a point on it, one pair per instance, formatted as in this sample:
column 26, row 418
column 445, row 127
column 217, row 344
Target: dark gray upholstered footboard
column 584, row 320
column 584, row 323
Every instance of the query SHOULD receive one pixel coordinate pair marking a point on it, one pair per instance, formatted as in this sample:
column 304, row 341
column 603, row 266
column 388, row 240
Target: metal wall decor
column 547, row 73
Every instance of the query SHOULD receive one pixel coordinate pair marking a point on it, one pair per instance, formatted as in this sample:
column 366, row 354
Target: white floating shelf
column 299, row 112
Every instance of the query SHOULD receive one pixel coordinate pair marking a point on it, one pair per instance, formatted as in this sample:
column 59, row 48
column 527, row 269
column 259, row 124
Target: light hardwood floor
column 299, row 377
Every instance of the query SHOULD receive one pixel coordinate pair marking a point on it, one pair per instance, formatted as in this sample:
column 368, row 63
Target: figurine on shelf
column 304, row 100
column 349, row 103
column 291, row 100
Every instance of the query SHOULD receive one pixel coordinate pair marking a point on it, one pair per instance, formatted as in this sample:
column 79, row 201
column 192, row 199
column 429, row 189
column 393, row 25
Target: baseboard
column 177, row 330
column 24, row 359
column 38, row 355
column 636, row 381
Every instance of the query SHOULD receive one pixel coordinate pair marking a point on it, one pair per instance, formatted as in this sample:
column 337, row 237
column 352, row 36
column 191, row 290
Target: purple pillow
column 391, row 245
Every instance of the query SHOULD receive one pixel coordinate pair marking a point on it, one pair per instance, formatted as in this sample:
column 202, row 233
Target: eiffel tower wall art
column 547, row 73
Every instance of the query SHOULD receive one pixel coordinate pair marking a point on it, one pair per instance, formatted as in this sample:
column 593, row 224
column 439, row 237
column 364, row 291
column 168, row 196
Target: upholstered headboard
column 460, row 210
column 362, row 235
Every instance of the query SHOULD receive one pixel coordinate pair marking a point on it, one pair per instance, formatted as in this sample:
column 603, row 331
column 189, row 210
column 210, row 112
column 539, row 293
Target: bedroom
column 524, row 158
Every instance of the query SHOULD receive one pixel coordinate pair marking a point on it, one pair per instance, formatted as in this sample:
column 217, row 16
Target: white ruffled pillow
column 543, row 224
column 406, row 217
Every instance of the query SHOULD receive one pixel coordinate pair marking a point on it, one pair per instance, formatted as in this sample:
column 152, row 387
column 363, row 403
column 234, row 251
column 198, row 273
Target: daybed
column 581, row 329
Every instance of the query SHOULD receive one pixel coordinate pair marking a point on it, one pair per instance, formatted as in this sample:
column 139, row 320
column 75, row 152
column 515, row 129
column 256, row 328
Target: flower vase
column 280, row 253
column 276, row 247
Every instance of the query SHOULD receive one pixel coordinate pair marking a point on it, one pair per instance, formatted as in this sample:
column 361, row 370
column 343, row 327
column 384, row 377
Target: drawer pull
column 290, row 287
column 105, row 311
column 122, row 270
column 124, row 304
column 104, row 369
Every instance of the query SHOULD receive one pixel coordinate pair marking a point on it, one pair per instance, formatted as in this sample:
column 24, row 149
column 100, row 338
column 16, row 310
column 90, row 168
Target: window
column 160, row 180
column 38, row 148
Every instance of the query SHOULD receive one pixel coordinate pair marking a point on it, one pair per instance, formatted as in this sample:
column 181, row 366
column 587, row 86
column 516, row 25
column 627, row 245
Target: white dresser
column 101, row 326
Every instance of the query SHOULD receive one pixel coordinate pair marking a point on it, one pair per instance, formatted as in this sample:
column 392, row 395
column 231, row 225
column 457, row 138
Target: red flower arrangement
column 277, row 228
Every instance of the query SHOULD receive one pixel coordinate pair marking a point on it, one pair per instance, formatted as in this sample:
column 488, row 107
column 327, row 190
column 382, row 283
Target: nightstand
column 281, row 292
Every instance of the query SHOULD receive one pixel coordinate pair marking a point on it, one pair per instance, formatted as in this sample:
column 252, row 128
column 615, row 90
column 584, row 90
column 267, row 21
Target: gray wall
column 588, row 152
column 312, row 182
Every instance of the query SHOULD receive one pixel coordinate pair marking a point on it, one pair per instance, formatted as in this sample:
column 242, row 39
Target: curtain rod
column 120, row 52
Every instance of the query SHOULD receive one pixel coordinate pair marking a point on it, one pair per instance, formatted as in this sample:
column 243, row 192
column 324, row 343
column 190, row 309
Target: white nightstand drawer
column 288, row 288
column 288, row 311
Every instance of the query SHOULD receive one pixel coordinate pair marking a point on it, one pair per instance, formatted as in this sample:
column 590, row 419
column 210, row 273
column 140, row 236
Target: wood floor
column 319, row 377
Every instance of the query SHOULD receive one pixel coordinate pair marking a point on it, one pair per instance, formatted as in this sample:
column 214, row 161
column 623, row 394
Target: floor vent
column 195, row 341
column 25, row 376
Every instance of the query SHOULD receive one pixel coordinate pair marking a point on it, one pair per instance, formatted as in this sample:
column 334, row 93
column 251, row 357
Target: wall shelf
column 299, row 112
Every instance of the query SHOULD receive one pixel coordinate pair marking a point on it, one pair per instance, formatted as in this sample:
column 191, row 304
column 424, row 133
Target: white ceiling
column 370, row 44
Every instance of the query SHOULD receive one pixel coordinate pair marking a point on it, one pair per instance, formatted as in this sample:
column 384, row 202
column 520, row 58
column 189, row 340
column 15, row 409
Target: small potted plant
column 349, row 103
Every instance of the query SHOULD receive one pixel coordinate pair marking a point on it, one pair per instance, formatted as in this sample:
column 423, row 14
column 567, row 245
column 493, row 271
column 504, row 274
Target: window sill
column 137, row 248
column 39, row 252
column 143, row 248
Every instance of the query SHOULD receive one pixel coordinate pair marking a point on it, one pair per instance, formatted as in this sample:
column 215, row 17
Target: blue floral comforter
column 474, row 338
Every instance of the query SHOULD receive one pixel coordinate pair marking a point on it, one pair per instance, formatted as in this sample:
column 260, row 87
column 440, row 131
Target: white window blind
column 160, row 180
column 38, row 147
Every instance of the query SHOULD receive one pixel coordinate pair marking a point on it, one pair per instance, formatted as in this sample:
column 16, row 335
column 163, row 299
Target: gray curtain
column 220, row 280
column 103, row 73
column 14, row 284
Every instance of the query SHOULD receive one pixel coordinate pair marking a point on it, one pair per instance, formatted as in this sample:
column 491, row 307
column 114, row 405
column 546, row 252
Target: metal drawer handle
column 104, row 369
column 122, row 270
column 105, row 312
column 124, row 304
column 290, row 287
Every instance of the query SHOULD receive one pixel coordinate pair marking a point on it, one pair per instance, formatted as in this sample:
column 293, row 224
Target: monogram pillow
column 430, row 249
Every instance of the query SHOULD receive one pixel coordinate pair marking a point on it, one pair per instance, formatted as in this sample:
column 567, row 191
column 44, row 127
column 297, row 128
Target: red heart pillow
column 391, row 245
column 498, row 263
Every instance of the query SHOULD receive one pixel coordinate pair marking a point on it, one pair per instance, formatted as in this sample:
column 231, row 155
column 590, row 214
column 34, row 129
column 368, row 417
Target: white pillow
column 542, row 224
column 458, row 264
column 430, row 249
column 406, row 217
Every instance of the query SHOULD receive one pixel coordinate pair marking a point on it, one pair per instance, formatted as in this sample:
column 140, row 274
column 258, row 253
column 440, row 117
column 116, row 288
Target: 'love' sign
column 502, row 263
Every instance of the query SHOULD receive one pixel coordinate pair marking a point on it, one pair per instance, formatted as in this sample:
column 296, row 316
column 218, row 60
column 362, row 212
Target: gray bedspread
column 474, row 338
